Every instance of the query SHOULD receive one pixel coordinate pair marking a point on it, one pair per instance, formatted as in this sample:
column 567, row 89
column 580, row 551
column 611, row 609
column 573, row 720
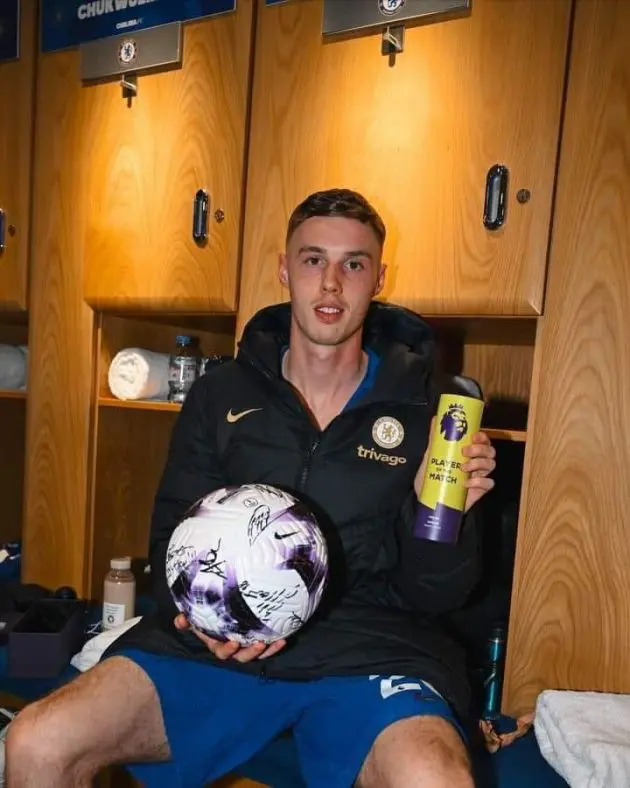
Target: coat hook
column 393, row 40
column 129, row 85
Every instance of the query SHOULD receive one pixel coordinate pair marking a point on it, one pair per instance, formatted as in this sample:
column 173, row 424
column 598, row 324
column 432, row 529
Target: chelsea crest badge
column 389, row 7
column 127, row 52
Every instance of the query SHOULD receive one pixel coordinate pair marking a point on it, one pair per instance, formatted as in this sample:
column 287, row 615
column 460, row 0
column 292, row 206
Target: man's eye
column 354, row 265
column 312, row 260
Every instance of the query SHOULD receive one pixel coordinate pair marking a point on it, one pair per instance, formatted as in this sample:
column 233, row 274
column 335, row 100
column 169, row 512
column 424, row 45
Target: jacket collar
column 402, row 339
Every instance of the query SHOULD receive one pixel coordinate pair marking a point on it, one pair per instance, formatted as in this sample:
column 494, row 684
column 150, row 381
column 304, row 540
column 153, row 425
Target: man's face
column 333, row 269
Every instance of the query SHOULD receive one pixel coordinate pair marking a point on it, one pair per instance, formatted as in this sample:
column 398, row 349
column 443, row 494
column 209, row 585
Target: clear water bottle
column 208, row 362
column 183, row 369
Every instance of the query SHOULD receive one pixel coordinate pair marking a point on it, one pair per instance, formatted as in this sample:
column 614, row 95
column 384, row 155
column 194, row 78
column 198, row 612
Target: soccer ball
column 248, row 564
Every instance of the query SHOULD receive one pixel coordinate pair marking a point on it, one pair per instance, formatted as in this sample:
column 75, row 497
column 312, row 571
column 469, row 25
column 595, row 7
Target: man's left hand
column 480, row 463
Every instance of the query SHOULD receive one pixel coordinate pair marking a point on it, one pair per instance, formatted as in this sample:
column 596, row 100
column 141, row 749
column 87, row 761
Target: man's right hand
column 231, row 650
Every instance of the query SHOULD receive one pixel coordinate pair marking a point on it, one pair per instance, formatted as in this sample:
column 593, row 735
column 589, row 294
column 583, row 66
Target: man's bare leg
column 110, row 714
column 418, row 752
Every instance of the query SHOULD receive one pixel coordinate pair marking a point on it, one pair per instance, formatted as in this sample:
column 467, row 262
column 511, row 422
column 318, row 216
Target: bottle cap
column 183, row 339
column 120, row 563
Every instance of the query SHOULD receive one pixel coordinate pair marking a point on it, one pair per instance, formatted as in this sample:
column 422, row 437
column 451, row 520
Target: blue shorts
column 217, row 718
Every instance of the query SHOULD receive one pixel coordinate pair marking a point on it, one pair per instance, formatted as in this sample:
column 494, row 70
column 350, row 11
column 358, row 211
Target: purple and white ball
column 248, row 564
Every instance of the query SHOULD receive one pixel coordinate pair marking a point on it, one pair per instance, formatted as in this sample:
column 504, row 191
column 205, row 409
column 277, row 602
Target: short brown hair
column 337, row 202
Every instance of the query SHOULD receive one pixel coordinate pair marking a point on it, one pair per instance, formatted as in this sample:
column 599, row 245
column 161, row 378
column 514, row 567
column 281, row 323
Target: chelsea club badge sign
column 356, row 15
column 389, row 7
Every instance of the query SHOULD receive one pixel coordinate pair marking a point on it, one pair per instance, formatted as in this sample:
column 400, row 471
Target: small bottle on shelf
column 183, row 369
column 209, row 362
column 119, row 593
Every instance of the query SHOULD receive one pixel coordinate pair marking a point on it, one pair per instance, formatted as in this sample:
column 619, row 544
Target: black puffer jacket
column 381, row 612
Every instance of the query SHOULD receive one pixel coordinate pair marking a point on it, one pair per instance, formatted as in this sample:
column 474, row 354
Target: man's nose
column 331, row 282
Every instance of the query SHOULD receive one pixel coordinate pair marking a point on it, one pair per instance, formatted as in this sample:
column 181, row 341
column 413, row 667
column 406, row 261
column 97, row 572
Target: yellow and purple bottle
column 443, row 494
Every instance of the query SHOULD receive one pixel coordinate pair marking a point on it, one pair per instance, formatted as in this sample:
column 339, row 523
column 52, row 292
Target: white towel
column 95, row 647
column 24, row 349
column 139, row 374
column 12, row 367
column 585, row 736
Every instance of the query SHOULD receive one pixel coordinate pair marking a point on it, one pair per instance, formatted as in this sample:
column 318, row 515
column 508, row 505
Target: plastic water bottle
column 183, row 369
column 208, row 362
column 119, row 593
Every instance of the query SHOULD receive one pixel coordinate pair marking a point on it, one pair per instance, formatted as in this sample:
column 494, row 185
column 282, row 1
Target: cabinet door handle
column 495, row 204
column 3, row 225
column 200, row 216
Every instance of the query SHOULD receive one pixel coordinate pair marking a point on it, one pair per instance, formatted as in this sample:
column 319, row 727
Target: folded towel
column 95, row 647
column 139, row 374
column 585, row 736
column 24, row 349
column 12, row 367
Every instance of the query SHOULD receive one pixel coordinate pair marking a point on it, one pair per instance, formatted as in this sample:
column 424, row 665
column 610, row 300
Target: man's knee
column 32, row 737
column 107, row 715
column 419, row 752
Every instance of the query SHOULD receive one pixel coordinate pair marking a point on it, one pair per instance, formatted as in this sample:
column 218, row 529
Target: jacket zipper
column 307, row 463
column 263, row 677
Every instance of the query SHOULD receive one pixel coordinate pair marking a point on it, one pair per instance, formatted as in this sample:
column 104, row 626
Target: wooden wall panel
column 61, row 339
column 570, row 625
column 17, row 94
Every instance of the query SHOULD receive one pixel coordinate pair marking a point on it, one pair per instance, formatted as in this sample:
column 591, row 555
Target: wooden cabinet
column 418, row 139
column 132, row 438
column 146, row 159
column 17, row 94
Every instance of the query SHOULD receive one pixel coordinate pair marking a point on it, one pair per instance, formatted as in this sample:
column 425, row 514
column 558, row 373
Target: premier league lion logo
column 454, row 424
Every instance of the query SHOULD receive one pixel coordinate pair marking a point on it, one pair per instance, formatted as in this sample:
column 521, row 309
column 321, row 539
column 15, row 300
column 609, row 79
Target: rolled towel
column 24, row 349
column 585, row 736
column 12, row 367
column 139, row 374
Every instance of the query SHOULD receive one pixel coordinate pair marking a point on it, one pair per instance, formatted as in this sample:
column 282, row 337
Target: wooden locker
column 418, row 139
column 146, row 159
column 17, row 92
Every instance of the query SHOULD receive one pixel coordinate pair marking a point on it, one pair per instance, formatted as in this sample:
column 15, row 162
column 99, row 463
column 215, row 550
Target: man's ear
column 380, row 282
column 283, row 271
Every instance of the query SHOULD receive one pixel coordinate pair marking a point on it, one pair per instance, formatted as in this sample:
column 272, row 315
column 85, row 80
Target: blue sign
column 68, row 23
column 9, row 29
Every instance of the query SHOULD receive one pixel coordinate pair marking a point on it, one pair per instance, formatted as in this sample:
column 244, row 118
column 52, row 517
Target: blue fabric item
column 518, row 766
column 230, row 716
column 366, row 385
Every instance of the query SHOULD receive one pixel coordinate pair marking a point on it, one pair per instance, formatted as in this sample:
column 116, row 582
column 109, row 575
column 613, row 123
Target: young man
column 332, row 397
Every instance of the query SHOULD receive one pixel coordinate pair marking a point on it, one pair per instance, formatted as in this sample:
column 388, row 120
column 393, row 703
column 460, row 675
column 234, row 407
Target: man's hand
column 481, row 463
column 231, row 650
